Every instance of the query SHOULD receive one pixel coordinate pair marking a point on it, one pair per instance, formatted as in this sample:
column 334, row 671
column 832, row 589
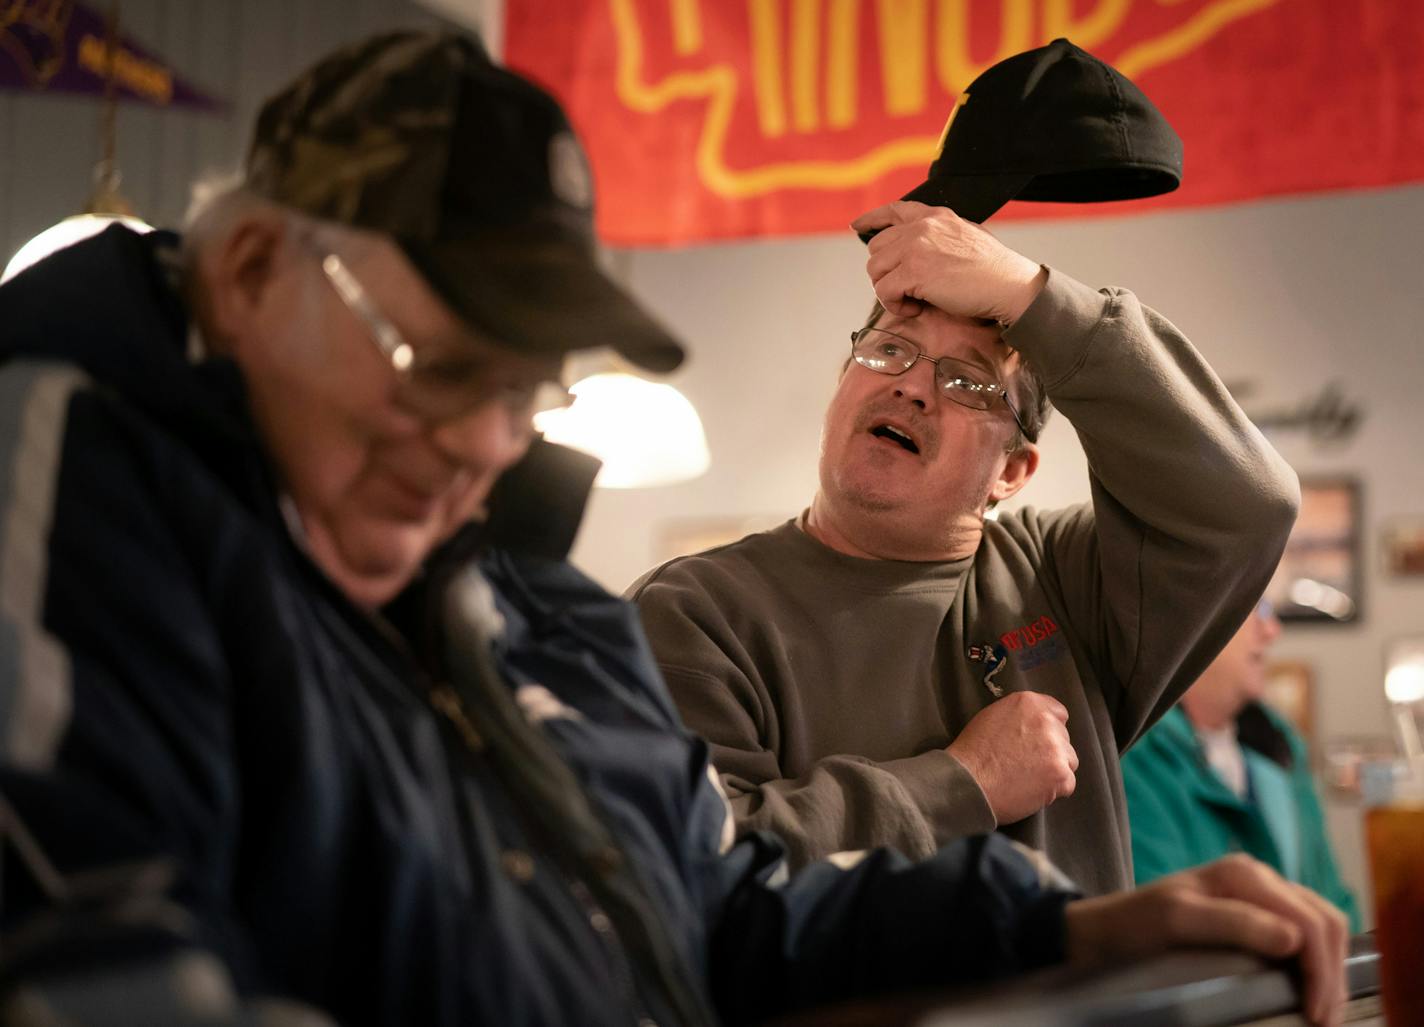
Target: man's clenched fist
column 1019, row 753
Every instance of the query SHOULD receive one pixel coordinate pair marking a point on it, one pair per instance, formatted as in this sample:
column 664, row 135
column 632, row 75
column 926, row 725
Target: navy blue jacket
column 208, row 751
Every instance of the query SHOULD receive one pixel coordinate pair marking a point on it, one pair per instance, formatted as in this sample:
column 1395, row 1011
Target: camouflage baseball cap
column 473, row 171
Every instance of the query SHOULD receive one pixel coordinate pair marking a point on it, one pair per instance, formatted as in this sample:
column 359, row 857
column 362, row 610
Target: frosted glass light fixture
column 68, row 232
column 105, row 205
column 646, row 434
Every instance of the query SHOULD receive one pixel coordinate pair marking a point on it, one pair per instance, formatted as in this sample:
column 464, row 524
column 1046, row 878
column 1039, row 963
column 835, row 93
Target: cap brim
column 973, row 197
column 542, row 295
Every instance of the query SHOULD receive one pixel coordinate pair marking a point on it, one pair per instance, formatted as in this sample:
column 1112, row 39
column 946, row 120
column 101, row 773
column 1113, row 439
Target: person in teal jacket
column 1221, row 772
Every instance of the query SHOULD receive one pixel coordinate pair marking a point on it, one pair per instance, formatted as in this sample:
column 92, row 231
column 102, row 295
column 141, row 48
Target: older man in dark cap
column 304, row 716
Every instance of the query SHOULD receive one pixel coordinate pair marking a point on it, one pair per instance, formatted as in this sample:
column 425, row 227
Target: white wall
column 1286, row 295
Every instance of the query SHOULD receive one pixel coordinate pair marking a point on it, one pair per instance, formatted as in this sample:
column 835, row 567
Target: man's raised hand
column 923, row 254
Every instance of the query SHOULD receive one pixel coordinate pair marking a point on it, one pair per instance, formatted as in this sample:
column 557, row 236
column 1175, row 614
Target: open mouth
column 895, row 435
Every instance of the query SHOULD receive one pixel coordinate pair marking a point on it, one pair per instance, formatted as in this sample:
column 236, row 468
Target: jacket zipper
column 446, row 701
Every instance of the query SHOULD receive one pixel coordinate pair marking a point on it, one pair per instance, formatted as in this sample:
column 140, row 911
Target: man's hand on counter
column 1235, row 901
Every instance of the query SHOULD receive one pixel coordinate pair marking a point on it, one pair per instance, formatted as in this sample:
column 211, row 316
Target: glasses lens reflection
column 887, row 353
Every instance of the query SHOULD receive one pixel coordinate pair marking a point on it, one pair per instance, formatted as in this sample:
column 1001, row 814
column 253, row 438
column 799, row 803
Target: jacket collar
column 111, row 305
column 1177, row 732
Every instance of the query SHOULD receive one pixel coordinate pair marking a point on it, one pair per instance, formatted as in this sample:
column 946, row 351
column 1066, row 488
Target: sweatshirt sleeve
column 1191, row 506
column 914, row 804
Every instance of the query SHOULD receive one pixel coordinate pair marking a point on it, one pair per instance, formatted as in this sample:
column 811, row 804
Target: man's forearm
column 914, row 804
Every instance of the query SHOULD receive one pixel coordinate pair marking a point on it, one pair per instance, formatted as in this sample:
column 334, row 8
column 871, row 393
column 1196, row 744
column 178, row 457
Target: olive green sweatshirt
column 829, row 685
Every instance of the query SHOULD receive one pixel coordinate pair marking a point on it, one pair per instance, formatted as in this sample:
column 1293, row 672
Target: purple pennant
column 61, row 46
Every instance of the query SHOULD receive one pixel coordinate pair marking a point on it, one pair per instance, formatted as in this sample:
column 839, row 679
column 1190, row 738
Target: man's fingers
column 880, row 263
column 1240, row 877
column 874, row 220
column 889, row 214
column 890, row 289
column 1197, row 919
column 1056, row 708
column 1322, row 943
column 1325, row 987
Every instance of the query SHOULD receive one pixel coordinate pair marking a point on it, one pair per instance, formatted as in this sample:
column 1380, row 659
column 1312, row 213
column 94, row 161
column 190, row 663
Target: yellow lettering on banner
column 718, row 85
column 903, row 26
column 686, row 26
column 805, row 56
column 957, row 67
column 1091, row 29
column 766, row 66
column 842, row 71
column 901, row 45
column 1201, row 27
column 146, row 78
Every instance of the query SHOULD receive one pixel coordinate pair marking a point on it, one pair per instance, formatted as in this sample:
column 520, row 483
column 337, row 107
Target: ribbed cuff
column 1057, row 329
column 1041, row 935
column 947, row 794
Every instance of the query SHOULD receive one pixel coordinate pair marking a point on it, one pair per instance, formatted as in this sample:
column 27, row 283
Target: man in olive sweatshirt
column 892, row 669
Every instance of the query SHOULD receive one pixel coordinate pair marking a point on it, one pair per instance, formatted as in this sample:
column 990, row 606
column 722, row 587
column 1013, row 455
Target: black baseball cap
column 473, row 171
column 1053, row 123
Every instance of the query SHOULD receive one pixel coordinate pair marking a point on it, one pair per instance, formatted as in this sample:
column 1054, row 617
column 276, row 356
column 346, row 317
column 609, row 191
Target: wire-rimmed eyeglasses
column 445, row 388
column 885, row 352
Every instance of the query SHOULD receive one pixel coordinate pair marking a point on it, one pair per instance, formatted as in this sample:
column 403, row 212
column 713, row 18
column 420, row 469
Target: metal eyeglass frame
column 385, row 335
column 944, row 385
column 401, row 355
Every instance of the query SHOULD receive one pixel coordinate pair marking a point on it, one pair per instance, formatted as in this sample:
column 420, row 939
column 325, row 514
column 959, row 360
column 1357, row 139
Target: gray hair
column 218, row 201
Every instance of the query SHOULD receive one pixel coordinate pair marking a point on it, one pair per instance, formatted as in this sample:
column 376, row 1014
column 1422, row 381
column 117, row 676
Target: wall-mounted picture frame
column 1290, row 691
column 1318, row 580
column 1402, row 543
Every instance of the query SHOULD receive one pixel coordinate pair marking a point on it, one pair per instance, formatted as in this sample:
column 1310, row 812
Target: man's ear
column 239, row 270
column 1018, row 469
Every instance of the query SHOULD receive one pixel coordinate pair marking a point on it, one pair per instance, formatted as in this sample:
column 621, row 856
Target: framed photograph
column 1290, row 691
column 1403, row 545
column 1318, row 579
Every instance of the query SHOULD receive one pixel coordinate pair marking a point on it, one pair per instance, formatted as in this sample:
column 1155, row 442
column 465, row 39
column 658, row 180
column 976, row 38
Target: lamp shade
column 68, row 232
column 646, row 434
column 1404, row 674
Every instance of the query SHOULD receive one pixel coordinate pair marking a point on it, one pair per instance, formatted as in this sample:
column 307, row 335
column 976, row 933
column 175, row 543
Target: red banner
column 716, row 119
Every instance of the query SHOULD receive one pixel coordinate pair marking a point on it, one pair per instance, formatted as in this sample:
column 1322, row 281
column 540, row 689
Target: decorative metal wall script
column 1326, row 418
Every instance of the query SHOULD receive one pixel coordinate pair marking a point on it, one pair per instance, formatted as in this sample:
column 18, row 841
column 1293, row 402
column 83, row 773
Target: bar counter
column 1198, row 988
